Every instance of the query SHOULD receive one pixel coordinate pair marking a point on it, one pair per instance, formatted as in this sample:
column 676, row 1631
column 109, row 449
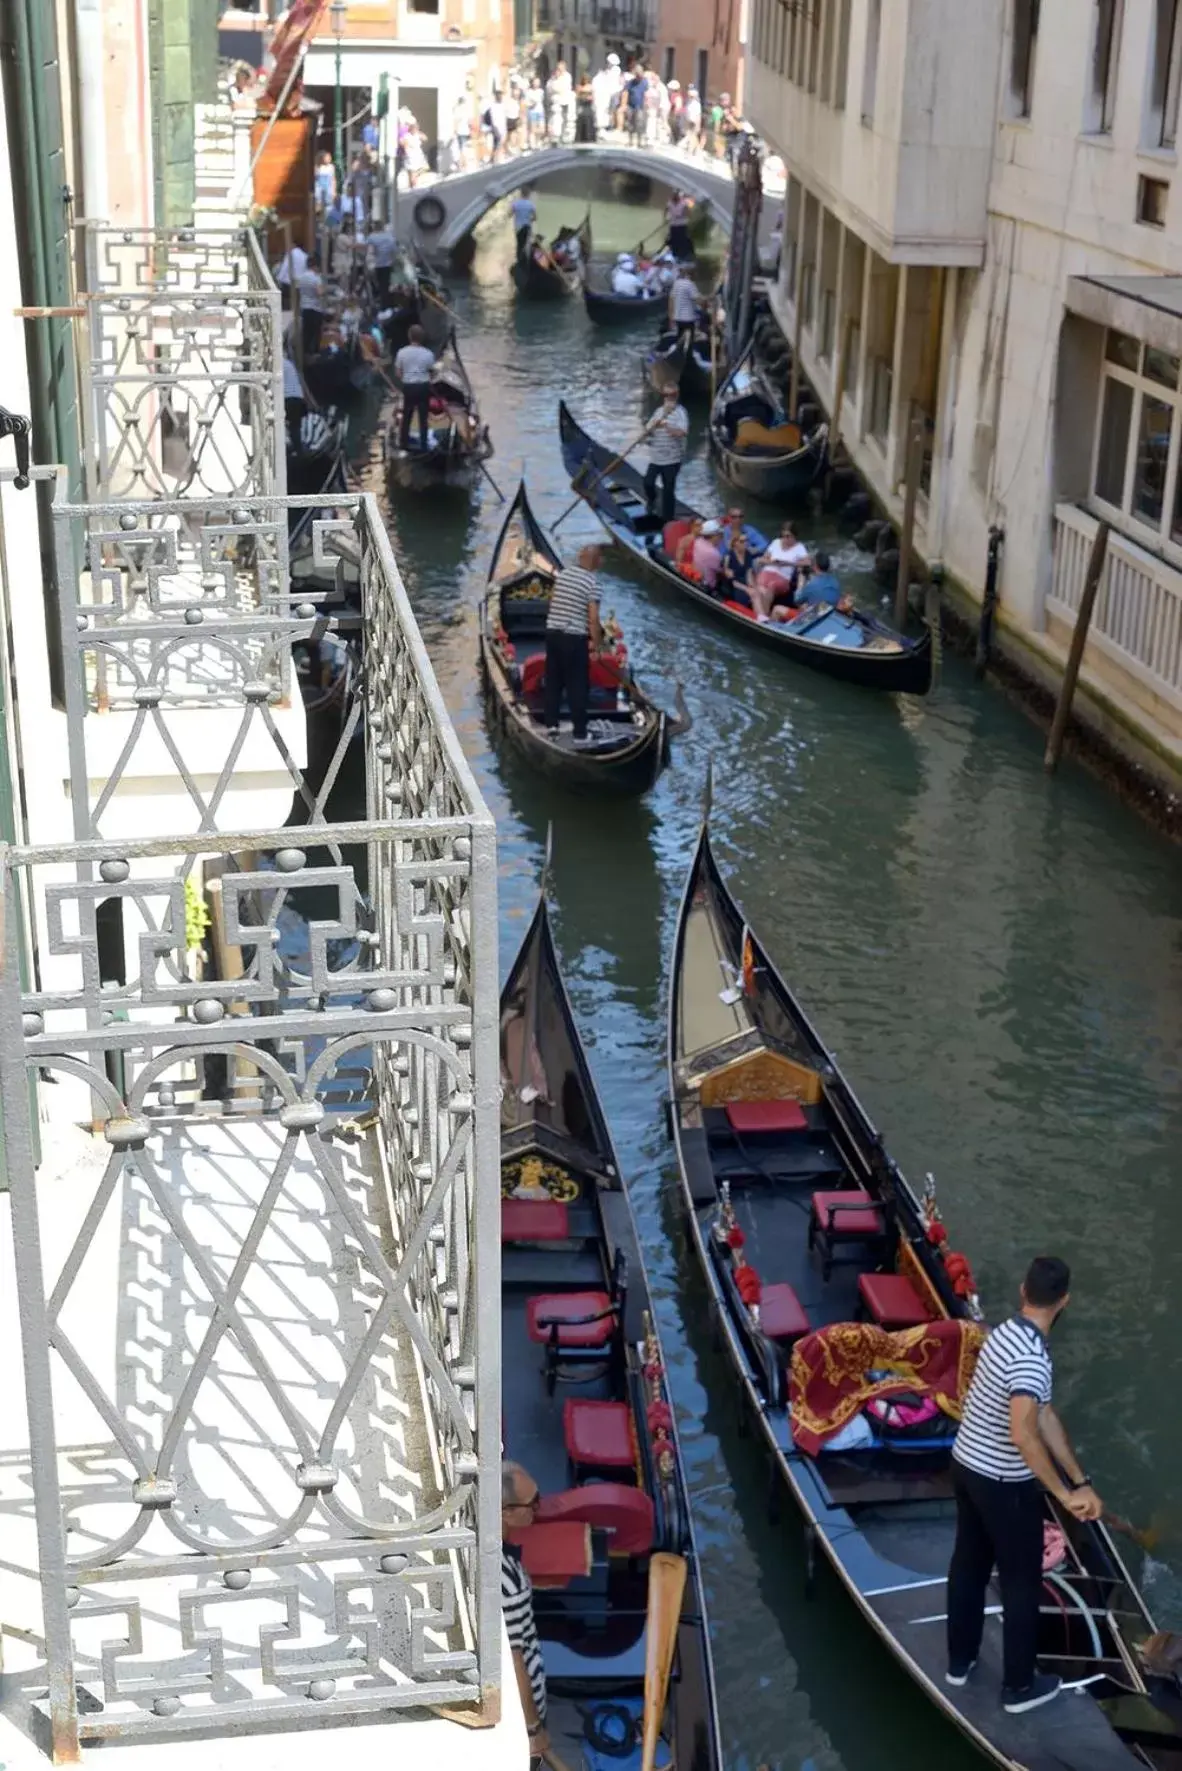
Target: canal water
column 996, row 958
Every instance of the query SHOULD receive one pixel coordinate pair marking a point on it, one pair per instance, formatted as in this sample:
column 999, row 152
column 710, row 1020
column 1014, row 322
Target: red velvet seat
column 554, row 1551
column 599, row 1435
column 533, row 674
column 766, row 1116
column 584, row 1318
column 626, row 1514
column 781, row 1314
column 534, row 1220
column 891, row 1300
column 849, row 1215
column 673, row 535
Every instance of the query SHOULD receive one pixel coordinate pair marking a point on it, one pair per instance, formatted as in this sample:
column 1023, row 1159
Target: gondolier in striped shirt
column 1010, row 1447
column 573, row 620
column 519, row 1500
column 666, row 431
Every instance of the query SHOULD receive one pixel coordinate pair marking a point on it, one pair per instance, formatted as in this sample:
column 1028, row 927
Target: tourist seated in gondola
column 816, row 588
column 624, row 278
column 780, row 567
column 734, row 523
column 738, row 571
column 707, row 554
column 683, row 555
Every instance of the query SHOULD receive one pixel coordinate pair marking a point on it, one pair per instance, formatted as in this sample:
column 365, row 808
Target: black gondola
column 757, row 446
column 585, row 1407
column 554, row 281
column 339, row 374
column 459, row 440
column 677, row 361
column 628, row 737
column 770, row 1140
column 854, row 647
column 317, row 460
column 608, row 309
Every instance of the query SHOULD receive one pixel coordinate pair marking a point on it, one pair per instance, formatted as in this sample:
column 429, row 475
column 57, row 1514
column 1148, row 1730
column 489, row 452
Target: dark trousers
column 666, row 472
column 416, row 397
column 381, row 281
column 680, row 244
column 294, row 410
column 998, row 1524
column 568, row 667
column 310, row 326
column 690, row 326
column 523, row 234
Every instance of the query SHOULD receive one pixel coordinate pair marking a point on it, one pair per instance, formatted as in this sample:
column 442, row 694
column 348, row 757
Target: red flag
column 297, row 25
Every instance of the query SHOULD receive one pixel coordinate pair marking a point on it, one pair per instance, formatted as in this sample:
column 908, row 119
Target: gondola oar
column 666, row 1589
column 590, row 487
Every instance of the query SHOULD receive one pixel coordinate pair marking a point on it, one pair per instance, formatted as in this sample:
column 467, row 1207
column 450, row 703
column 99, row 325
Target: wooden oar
column 1146, row 1538
column 591, row 485
column 666, row 1588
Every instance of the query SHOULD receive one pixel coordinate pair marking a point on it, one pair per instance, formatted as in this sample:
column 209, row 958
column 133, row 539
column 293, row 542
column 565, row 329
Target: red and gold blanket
column 830, row 1378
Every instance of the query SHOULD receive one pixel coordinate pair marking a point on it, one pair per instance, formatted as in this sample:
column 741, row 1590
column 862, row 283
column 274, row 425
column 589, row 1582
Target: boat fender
column 429, row 214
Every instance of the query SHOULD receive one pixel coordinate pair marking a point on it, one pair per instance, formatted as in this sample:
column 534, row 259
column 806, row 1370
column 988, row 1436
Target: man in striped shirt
column 519, row 1500
column 572, row 621
column 666, row 431
column 1011, row 1446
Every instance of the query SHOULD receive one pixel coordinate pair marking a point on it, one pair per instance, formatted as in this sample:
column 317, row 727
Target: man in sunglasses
column 519, row 1503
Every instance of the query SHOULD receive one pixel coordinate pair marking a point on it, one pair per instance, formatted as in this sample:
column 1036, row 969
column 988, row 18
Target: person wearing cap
column 676, row 112
column 605, row 90
column 707, row 554
column 692, row 133
column 624, row 278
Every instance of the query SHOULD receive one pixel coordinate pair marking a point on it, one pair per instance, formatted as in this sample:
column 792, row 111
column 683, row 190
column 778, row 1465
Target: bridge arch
column 466, row 196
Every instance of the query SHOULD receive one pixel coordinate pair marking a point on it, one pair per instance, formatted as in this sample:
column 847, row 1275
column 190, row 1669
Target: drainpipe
column 88, row 27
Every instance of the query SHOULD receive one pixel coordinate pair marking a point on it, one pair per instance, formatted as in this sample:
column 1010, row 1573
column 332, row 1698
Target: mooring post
column 1079, row 638
column 907, row 534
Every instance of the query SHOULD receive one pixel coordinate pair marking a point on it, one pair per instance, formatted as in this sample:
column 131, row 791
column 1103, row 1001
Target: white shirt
column 291, row 265
column 560, row 88
column 684, row 296
column 524, row 212
column 625, row 282
column 413, row 364
column 779, row 554
column 292, row 386
column 311, row 291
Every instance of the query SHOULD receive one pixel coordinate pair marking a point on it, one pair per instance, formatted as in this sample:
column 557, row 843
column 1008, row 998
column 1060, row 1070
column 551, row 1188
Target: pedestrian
column 560, row 92
column 605, row 89
column 383, row 249
column 519, row 1503
column 653, row 88
column 714, row 118
column 667, row 431
column 414, row 154
column 293, row 262
column 677, row 214
column 512, row 106
column 676, row 113
column 413, row 367
column 535, row 114
column 584, row 111
column 369, row 134
column 1009, row 1452
column 637, row 87
column 324, row 183
column 462, row 130
column 525, row 214
column 692, row 134
column 573, row 620
column 497, row 124
column 295, row 400
column 311, row 287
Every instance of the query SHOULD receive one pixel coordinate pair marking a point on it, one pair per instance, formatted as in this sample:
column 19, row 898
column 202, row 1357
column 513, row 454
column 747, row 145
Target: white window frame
column 1122, row 516
column 1100, row 103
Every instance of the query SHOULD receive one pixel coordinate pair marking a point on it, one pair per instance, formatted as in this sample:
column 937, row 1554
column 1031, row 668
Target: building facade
column 703, row 43
column 981, row 241
column 583, row 33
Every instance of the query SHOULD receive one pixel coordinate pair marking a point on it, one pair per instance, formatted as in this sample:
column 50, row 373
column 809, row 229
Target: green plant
column 196, row 916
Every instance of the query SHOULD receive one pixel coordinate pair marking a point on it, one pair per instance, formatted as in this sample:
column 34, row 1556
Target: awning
column 1148, row 307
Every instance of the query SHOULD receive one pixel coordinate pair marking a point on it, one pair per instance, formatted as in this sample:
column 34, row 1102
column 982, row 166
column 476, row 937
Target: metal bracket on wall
column 16, row 426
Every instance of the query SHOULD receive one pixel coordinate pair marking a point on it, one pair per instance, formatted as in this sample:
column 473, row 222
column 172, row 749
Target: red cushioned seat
column 892, row 1301
column 849, row 1213
column 674, row 533
column 753, row 1116
column 738, row 608
column 571, row 1310
column 534, row 1220
column 600, row 1434
column 554, row 1552
column 781, row 1314
column 626, row 1514
column 533, row 674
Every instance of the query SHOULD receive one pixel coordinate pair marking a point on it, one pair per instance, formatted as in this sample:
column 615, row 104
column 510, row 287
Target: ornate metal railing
column 260, row 1312
column 184, row 364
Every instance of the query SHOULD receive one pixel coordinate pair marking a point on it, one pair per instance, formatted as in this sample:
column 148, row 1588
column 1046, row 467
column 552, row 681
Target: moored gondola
column 852, row 646
column 628, row 738
column 757, row 445
column 586, row 1410
column 608, row 309
column 550, row 273
column 679, row 361
column 458, row 441
column 824, row 1271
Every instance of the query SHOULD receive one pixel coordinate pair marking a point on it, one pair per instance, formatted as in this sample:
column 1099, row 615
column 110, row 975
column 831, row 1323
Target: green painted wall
column 182, row 55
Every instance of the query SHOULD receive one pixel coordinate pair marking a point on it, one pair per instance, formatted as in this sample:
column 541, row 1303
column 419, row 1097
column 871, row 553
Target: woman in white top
column 779, row 569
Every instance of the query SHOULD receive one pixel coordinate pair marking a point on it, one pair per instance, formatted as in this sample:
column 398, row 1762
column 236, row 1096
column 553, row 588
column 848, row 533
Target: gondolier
column 667, row 431
column 677, row 214
column 1010, row 1447
column 683, row 305
column 572, row 621
column 525, row 214
column 413, row 368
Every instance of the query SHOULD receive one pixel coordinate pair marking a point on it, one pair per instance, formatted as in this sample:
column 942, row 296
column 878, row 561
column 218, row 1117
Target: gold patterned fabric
column 830, row 1380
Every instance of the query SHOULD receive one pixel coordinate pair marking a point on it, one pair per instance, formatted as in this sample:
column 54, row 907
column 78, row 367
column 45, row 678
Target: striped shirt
column 517, row 1602
column 570, row 600
column 666, row 440
column 1015, row 1361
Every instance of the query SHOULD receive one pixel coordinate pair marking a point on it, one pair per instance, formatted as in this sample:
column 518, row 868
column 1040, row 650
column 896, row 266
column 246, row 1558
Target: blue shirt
column 822, row 587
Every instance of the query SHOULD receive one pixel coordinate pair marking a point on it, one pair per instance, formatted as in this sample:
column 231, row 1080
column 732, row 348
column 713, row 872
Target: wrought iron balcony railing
column 259, row 1304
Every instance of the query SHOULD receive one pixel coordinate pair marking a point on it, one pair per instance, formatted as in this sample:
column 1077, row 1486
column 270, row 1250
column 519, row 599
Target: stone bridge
column 463, row 197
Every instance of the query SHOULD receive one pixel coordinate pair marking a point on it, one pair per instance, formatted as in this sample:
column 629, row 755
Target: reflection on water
column 995, row 957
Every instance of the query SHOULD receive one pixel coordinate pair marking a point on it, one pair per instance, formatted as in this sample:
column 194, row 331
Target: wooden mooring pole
column 907, row 533
column 1079, row 640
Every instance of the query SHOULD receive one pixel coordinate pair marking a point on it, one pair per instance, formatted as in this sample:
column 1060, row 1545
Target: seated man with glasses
column 519, row 1503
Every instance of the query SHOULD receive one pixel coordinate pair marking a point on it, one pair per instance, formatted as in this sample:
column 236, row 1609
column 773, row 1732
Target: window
column 813, row 27
column 841, row 71
column 667, row 72
column 431, row 6
column 1153, row 196
column 1165, row 76
column 1023, row 43
column 1101, row 98
column 870, row 71
column 1137, row 442
column 703, row 73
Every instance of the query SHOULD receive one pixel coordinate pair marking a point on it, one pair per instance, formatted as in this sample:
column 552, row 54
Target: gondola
column 854, row 647
column 609, row 309
column 459, row 440
column 629, row 737
column 317, row 460
column 770, row 1141
column 757, row 446
column 586, row 1410
column 672, row 361
column 553, row 282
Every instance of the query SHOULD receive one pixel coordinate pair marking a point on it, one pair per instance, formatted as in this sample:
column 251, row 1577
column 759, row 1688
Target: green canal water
column 996, row 958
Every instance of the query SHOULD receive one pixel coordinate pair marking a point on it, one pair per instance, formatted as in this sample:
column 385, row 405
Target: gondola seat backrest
column 604, row 676
column 624, row 1512
column 673, row 534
